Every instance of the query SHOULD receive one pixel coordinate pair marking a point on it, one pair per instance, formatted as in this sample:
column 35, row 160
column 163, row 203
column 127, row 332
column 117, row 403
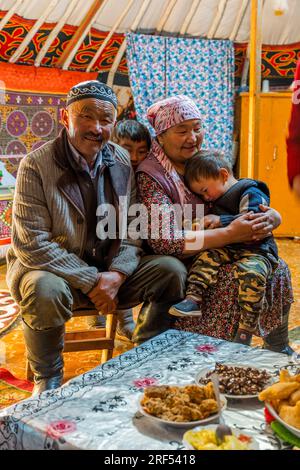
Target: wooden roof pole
column 254, row 87
column 216, row 22
column 64, row 60
column 120, row 53
column 166, row 14
column 10, row 13
column 239, row 19
column 19, row 51
column 110, row 34
column 189, row 16
column 64, row 18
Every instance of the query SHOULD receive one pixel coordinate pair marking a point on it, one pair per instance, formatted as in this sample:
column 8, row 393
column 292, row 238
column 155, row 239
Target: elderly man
column 57, row 263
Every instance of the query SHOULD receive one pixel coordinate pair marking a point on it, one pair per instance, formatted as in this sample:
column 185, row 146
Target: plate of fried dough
column 181, row 406
column 283, row 401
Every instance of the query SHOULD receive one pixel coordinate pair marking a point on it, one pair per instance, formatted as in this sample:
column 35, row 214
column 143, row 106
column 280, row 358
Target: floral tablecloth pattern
column 99, row 409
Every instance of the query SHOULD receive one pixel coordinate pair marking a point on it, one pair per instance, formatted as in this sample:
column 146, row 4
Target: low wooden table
column 99, row 409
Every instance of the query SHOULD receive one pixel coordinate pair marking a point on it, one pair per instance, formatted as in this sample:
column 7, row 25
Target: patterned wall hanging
column 17, row 28
column 278, row 62
column 28, row 120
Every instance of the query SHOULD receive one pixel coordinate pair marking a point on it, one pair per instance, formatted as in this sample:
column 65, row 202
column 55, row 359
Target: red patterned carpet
column 9, row 312
column 12, row 389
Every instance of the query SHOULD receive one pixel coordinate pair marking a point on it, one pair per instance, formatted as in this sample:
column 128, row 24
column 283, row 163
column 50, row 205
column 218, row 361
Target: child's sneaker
column 186, row 308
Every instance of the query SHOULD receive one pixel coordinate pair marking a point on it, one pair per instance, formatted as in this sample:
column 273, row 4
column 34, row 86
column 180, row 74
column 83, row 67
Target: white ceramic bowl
column 293, row 430
column 203, row 372
column 186, row 424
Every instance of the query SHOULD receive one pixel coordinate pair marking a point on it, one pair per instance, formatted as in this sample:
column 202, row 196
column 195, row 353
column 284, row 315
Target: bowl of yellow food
column 206, row 438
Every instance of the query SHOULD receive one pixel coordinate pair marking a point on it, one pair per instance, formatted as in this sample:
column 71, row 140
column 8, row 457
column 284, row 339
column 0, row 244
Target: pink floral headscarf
column 163, row 115
column 172, row 111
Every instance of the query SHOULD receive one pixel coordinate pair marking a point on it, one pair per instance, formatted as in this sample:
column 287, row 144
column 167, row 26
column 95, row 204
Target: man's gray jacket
column 49, row 224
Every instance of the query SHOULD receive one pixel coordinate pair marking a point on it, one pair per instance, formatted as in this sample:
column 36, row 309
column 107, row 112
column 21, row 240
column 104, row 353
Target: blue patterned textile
column 202, row 69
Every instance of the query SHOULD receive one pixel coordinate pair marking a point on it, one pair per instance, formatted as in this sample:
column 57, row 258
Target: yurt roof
column 220, row 19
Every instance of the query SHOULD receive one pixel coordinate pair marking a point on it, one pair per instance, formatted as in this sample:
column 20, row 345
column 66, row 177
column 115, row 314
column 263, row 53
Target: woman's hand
column 211, row 221
column 241, row 229
column 265, row 222
column 207, row 222
column 245, row 229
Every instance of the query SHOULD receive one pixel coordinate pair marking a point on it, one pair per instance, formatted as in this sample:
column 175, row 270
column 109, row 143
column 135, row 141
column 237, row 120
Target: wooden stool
column 89, row 340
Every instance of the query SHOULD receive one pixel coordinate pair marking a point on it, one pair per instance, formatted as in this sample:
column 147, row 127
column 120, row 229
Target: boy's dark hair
column 206, row 164
column 132, row 130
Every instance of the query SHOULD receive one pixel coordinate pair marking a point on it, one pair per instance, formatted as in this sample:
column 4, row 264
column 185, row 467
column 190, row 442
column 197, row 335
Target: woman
column 160, row 180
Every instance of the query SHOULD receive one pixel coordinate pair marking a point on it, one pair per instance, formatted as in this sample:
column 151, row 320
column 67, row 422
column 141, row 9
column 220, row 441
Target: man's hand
column 104, row 294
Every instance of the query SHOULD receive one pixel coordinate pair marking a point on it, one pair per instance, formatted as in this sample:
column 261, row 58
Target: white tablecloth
column 99, row 409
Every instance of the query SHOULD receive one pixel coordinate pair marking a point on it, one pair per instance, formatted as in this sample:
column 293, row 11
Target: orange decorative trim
column 46, row 80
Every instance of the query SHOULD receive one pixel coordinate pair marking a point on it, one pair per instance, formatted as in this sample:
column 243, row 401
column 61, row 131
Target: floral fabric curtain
column 200, row 68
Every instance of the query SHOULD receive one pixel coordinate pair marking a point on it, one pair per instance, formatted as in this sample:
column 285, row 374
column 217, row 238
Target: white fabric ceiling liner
column 211, row 18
